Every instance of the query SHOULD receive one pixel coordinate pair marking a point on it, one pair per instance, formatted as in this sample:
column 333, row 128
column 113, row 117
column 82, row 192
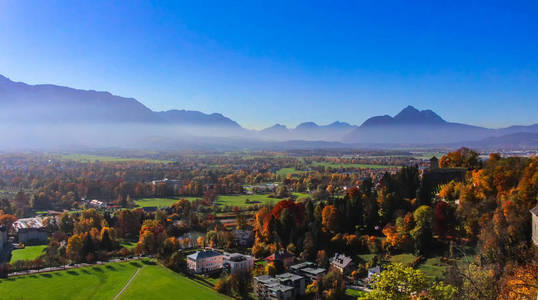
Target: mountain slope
column 412, row 126
column 45, row 103
column 196, row 118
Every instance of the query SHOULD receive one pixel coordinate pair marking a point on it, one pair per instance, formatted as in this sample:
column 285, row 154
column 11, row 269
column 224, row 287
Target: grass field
column 156, row 282
column 286, row 171
column 28, row 253
column 354, row 294
column 104, row 282
column 405, row 258
column 239, row 200
column 128, row 244
column 360, row 166
column 222, row 200
column 104, row 158
column 433, row 268
column 160, row 202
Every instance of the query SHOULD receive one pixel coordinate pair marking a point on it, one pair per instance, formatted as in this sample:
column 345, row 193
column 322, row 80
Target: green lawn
column 28, row 253
column 156, row 282
column 361, row 166
column 158, row 202
column 354, row 294
column 405, row 258
column 433, row 268
column 286, row 171
column 104, row 282
column 128, row 244
column 239, row 200
column 222, row 200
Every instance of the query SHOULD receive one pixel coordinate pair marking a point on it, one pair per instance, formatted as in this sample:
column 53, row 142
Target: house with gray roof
column 341, row 263
column 309, row 270
column 281, row 287
column 205, row 261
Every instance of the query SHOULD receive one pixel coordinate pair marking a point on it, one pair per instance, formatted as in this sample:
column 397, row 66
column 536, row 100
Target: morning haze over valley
column 316, row 150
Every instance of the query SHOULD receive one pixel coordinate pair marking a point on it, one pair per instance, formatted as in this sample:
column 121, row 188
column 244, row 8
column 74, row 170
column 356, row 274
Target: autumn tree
column 330, row 217
column 422, row 233
column 462, row 158
column 400, row 283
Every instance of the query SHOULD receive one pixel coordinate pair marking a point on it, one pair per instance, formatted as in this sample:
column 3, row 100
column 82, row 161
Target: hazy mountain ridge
column 46, row 103
column 96, row 118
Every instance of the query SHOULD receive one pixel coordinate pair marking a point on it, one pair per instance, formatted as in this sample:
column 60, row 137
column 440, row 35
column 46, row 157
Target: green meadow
column 359, row 166
column 28, row 253
column 161, row 202
column 105, row 282
column 222, row 200
column 287, row 171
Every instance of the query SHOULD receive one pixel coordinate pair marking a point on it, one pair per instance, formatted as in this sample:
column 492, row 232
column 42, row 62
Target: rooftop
column 288, row 276
column 302, row 265
column 534, row 211
column 28, row 223
column 314, row 271
column 203, row 254
column 341, row 260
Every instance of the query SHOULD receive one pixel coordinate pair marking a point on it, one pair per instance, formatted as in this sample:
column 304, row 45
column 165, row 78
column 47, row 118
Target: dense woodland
column 480, row 226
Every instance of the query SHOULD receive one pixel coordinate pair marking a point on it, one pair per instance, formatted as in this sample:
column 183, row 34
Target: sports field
column 105, row 282
column 359, row 166
column 161, row 202
column 222, row 200
column 28, row 253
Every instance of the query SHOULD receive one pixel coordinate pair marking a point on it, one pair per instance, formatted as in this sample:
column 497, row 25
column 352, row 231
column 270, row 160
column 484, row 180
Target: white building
column 97, row 204
column 205, row 261
column 30, row 230
column 237, row 262
column 373, row 271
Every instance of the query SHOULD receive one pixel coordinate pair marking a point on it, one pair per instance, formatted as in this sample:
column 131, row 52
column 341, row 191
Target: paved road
column 128, row 283
column 75, row 266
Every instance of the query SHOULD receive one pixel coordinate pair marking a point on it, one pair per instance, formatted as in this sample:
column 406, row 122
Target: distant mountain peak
column 409, row 116
column 307, row 125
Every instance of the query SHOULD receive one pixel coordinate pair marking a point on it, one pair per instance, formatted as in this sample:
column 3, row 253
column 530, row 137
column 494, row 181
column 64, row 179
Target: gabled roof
column 534, row 211
column 280, row 255
column 340, row 260
column 203, row 254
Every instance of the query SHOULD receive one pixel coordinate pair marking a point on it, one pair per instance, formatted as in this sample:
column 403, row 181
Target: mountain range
column 94, row 116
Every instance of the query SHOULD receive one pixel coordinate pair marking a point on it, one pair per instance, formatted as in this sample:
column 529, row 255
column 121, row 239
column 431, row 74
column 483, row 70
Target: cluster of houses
column 260, row 188
column 288, row 285
column 284, row 286
column 211, row 261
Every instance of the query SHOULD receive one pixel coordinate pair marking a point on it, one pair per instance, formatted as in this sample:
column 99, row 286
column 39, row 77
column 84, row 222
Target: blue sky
column 261, row 63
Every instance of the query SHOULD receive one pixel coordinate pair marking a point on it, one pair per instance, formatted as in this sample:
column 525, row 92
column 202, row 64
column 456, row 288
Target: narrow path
column 127, row 284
